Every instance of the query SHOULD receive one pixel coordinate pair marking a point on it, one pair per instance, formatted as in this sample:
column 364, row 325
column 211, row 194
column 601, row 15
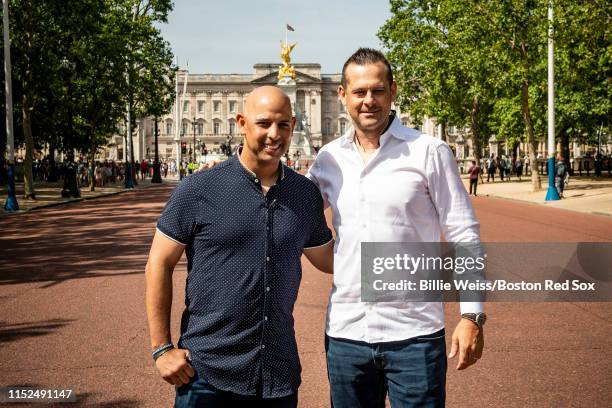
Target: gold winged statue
column 286, row 70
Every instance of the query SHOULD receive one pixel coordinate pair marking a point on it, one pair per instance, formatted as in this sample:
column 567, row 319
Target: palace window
column 217, row 106
column 216, row 128
column 168, row 128
column 342, row 126
column 200, row 128
column 327, row 127
column 232, row 106
column 185, row 106
column 232, row 127
column 200, row 106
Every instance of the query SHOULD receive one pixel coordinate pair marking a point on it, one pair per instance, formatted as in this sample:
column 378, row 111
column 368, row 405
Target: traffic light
column 183, row 148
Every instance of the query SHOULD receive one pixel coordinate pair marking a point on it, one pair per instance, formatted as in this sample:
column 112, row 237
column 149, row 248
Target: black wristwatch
column 478, row 319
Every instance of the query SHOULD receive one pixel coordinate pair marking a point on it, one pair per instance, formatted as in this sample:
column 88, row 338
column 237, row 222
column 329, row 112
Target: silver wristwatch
column 479, row 319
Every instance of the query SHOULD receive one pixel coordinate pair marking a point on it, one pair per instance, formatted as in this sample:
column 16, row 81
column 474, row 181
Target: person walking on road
column 243, row 226
column 388, row 183
column 474, row 172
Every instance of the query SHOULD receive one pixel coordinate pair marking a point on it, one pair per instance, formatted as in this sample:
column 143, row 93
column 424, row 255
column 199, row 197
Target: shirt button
column 267, row 228
column 266, row 318
column 263, row 346
column 267, row 288
column 267, row 258
column 257, row 180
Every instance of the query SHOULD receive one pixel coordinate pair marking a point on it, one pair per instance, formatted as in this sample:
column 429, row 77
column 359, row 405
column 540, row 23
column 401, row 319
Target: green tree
column 440, row 51
column 583, row 58
column 71, row 65
column 148, row 61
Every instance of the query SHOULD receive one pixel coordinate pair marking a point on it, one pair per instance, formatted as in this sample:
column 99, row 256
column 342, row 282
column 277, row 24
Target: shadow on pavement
column 18, row 331
column 88, row 400
column 103, row 237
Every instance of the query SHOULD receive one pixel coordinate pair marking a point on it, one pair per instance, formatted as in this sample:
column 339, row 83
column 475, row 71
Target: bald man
column 243, row 225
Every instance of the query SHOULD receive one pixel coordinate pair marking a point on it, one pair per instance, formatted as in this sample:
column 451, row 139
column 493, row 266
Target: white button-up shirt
column 409, row 191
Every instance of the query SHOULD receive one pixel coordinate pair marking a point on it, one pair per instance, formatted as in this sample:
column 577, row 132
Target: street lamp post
column 194, row 140
column 11, row 199
column 552, row 194
column 156, row 171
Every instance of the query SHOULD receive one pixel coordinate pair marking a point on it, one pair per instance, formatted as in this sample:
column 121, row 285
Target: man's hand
column 174, row 367
column 468, row 340
column 208, row 165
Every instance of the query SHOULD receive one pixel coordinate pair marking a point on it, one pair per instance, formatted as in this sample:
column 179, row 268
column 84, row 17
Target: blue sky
column 229, row 36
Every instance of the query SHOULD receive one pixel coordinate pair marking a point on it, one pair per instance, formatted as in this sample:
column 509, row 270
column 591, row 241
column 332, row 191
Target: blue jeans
column 412, row 371
column 199, row 393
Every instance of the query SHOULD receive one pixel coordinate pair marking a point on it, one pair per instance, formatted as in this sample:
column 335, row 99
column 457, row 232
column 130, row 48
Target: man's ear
column 241, row 120
column 292, row 123
column 393, row 91
column 342, row 94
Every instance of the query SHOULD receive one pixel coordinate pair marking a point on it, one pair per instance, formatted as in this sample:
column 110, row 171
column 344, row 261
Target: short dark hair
column 364, row 56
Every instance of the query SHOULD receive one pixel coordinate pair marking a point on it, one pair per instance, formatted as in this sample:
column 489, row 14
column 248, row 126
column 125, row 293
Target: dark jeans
column 199, row 393
column 473, row 183
column 412, row 371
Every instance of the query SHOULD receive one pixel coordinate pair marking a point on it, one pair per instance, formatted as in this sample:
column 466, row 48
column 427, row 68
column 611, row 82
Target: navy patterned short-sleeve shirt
column 243, row 260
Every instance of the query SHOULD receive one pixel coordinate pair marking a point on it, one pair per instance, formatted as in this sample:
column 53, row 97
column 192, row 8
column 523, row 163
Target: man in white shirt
column 388, row 183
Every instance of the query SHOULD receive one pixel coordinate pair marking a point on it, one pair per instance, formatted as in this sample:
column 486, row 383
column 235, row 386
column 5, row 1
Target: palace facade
column 212, row 101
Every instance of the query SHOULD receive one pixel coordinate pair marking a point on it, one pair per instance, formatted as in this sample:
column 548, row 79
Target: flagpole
column 286, row 34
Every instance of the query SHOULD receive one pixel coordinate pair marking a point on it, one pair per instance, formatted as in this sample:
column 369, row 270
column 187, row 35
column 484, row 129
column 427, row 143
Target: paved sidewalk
column 49, row 194
column 583, row 194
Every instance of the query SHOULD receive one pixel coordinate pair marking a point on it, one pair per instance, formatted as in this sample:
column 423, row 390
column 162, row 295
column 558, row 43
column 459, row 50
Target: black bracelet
column 158, row 352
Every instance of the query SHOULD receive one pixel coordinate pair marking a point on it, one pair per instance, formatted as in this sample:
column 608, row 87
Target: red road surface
column 72, row 312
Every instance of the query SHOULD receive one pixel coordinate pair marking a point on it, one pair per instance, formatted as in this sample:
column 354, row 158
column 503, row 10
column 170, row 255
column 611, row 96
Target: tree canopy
column 71, row 64
column 484, row 65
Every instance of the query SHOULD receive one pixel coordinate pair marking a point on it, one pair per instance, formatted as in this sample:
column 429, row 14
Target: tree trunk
column 27, row 106
column 28, row 179
column 134, row 172
column 475, row 130
column 536, row 184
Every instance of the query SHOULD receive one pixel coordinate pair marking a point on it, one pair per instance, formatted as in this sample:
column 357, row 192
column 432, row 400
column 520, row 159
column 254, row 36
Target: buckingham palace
column 210, row 103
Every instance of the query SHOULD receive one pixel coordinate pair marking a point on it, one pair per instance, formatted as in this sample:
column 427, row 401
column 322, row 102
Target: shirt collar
column 394, row 129
column 251, row 175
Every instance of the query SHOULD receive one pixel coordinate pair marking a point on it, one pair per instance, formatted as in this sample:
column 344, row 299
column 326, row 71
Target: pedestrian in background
column 491, row 169
column 518, row 165
column 560, row 175
column 474, row 172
